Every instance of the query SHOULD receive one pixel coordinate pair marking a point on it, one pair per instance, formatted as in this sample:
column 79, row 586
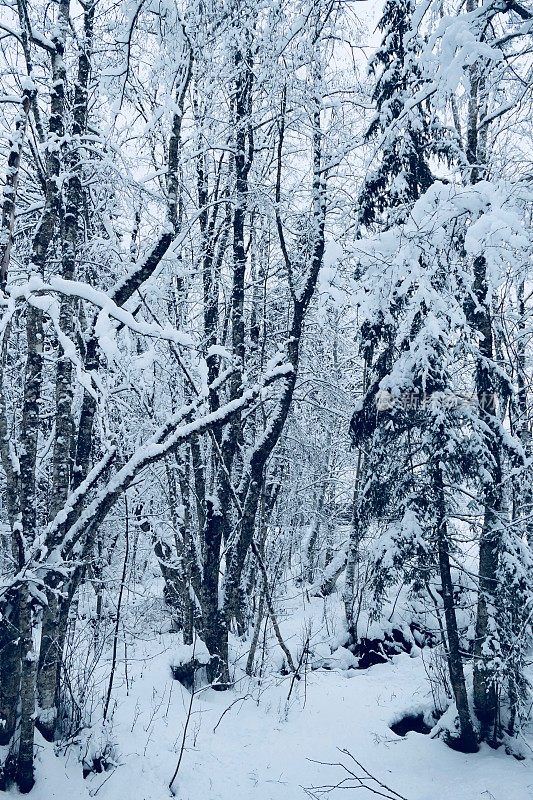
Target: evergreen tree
column 405, row 130
column 402, row 129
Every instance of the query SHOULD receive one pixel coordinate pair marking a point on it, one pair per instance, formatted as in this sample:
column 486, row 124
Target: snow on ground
column 257, row 742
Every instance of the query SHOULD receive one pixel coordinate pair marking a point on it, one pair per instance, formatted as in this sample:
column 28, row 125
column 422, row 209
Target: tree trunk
column 352, row 556
column 485, row 694
column 50, row 656
column 215, row 629
column 10, row 670
column 24, row 775
column 467, row 742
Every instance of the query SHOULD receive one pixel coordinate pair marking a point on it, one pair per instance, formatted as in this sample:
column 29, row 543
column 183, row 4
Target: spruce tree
column 394, row 421
column 401, row 128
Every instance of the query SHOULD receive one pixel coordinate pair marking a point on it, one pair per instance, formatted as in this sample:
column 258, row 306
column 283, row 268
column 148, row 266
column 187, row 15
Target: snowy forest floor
column 254, row 742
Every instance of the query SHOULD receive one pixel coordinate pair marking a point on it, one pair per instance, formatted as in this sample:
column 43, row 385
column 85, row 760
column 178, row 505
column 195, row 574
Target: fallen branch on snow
column 352, row 781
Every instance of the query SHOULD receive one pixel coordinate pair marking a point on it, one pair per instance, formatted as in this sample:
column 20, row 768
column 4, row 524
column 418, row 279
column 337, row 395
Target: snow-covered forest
column 266, row 402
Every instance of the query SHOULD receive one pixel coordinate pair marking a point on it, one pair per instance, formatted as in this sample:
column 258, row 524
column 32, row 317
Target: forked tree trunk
column 254, row 477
